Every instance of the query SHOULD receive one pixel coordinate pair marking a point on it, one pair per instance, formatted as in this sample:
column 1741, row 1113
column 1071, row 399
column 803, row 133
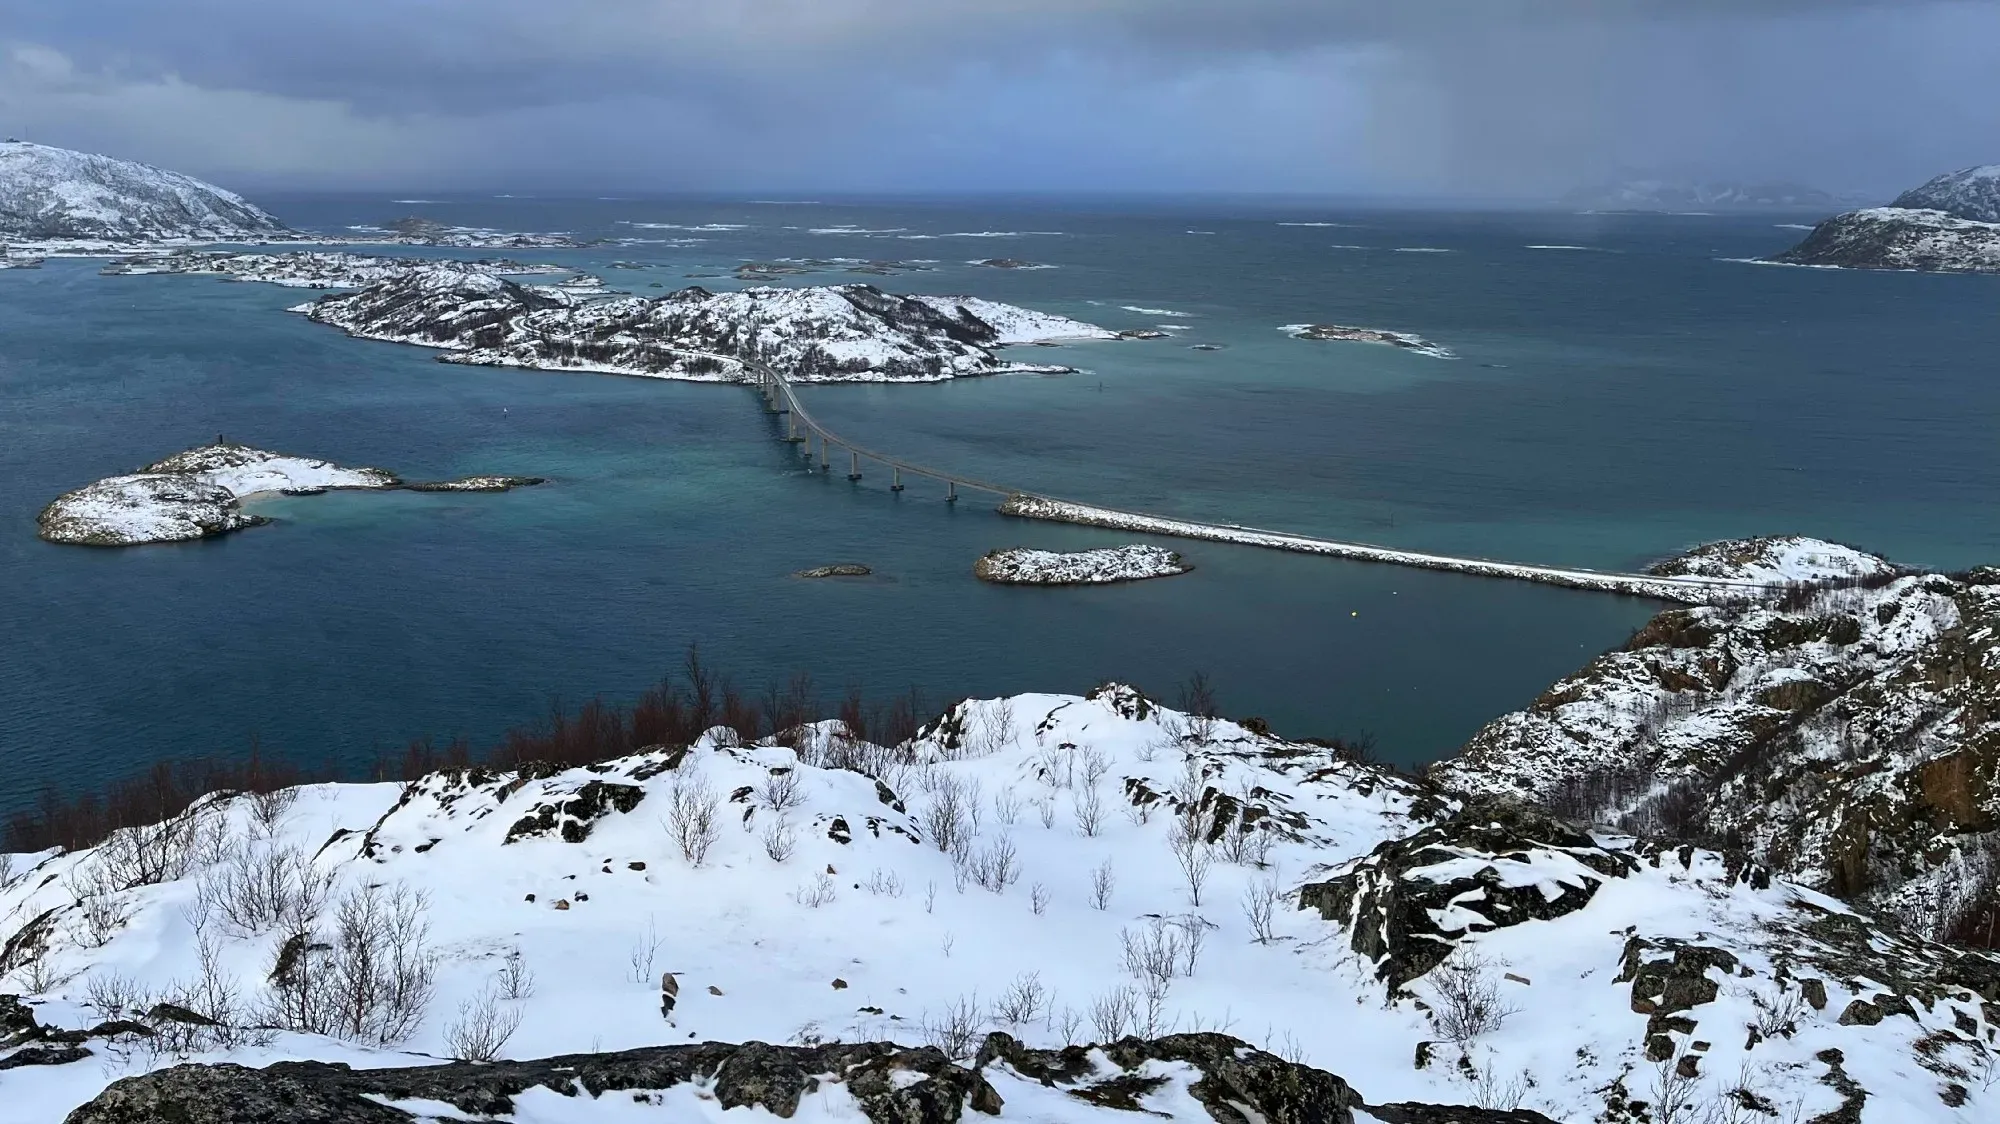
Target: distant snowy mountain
column 53, row 194
column 1670, row 195
column 1969, row 193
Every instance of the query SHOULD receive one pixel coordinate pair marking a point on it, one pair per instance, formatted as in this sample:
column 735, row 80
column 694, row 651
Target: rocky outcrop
column 301, row 269
column 1847, row 738
column 1969, row 193
column 1404, row 340
column 1899, row 238
column 1495, row 864
column 1022, row 566
column 56, row 195
column 843, row 333
column 888, row 1084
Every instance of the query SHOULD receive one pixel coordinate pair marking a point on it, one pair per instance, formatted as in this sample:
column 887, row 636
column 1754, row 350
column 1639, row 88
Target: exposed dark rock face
column 572, row 815
column 891, row 1084
column 1895, row 238
column 1470, row 866
column 1969, row 193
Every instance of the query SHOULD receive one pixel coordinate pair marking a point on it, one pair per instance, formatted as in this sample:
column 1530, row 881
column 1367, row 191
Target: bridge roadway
column 801, row 428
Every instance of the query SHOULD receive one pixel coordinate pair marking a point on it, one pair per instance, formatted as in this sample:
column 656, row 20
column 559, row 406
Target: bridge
column 816, row 443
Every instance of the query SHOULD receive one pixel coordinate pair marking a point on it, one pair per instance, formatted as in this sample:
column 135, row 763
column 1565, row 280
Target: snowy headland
column 54, row 196
column 1404, row 340
column 1899, row 238
column 1022, row 566
column 1098, row 873
column 199, row 493
column 841, row 333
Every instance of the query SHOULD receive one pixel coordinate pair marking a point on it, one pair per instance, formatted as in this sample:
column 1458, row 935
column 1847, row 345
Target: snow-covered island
column 198, row 494
column 1023, row 566
column 1777, row 560
column 1076, row 903
column 839, row 333
column 57, row 199
column 1671, row 195
column 1969, row 193
column 305, row 269
column 1899, row 238
column 418, row 231
column 1404, row 340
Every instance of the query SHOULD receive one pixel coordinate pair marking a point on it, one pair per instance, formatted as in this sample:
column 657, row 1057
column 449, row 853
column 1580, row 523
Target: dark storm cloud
column 1470, row 96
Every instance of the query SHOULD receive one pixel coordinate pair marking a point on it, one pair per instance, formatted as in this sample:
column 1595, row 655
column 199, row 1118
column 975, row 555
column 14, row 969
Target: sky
column 1514, row 99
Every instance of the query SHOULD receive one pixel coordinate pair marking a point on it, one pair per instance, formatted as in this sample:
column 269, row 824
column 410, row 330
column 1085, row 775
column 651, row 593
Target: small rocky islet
column 199, row 493
column 1100, row 566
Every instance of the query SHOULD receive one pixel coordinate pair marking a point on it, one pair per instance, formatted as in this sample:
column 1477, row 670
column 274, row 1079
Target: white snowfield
column 1023, row 566
column 839, row 333
column 1039, row 864
column 55, row 195
column 1707, row 583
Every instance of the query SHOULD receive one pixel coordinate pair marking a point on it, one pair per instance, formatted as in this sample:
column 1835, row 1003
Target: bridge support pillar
column 824, row 452
column 853, row 465
column 951, row 491
column 896, row 480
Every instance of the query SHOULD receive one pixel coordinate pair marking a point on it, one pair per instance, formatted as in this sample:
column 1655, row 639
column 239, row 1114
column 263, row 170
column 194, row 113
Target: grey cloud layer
column 1475, row 96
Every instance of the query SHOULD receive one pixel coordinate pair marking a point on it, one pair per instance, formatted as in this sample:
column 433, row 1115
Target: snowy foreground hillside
column 838, row 333
column 1064, row 870
column 55, row 196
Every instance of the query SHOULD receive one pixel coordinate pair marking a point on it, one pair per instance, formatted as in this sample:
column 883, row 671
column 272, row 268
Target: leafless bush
column 484, row 1025
column 816, row 893
column 1096, row 766
column 1113, row 1013
column 641, row 966
column 996, row 867
column 1089, row 807
column 1023, row 1002
column 100, row 902
column 368, row 980
column 260, row 887
column 149, row 855
column 996, row 729
column 1492, row 1090
column 1066, row 1023
column 1038, row 899
column 212, row 995
column 10, row 876
column 267, row 809
column 1468, row 1003
column 1195, row 856
column 1007, row 807
column 1102, row 882
column 39, row 974
column 1676, row 1093
column 113, row 994
column 1046, row 808
column 947, row 817
column 1246, row 843
column 692, row 810
column 515, row 979
column 1779, row 1017
column 1154, row 954
column 780, row 839
column 1196, row 700
column 1260, row 908
column 781, row 791
column 885, row 883
column 955, row 1029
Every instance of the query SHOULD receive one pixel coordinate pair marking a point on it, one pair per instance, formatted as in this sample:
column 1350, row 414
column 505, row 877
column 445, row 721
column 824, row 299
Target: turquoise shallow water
column 1609, row 406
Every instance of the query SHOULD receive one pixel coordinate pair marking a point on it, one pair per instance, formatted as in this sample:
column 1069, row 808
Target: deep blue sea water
column 1610, row 405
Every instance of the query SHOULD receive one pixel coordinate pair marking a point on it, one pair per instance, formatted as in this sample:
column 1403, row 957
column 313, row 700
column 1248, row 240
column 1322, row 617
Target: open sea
column 1612, row 403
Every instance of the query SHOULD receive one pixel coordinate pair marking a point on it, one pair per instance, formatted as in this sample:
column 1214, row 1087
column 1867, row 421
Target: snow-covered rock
column 56, row 195
column 1022, row 566
column 1969, row 193
column 1404, row 340
column 1844, row 735
column 843, row 333
column 1681, row 195
column 418, row 231
column 305, row 269
column 1778, row 559
column 1899, row 238
column 1068, row 870
column 197, row 493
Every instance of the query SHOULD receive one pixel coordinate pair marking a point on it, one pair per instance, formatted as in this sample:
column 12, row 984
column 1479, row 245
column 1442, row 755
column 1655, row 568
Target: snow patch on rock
column 1022, row 566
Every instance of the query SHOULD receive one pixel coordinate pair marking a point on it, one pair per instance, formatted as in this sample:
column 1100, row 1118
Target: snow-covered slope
column 1847, row 737
column 1969, row 193
column 196, row 493
column 1899, row 238
column 53, row 194
column 1777, row 559
column 842, row 333
column 1068, row 870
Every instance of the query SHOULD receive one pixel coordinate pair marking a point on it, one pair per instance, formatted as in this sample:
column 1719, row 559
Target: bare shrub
column 1007, row 807
column 484, row 1025
column 1023, row 1002
column 1260, row 907
column 1046, row 808
column 260, row 887
column 780, row 839
column 1096, row 766
column 368, row 980
column 1153, row 954
column 514, row 979
column 1491, row 1089
column 39, row 974
column 1102, row 882
column 100, row 902
column 10, row 875
column 267, row 809
column 1038, row 899
column 816, row 893
column 947, row 817
column 1196, row 700
column 641, row 960
column 1195, row 857
column 1779, row 1017
column 781, row 791
column 1468, row 1003
column 885, row 883
column 148, row 855
column 113, row 994
column 1066, row 1023
column 996, row 729
column 996, row 867
column 1089, row 808
column 692, row 811
column 1113, row 1013
column 955, row 1029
